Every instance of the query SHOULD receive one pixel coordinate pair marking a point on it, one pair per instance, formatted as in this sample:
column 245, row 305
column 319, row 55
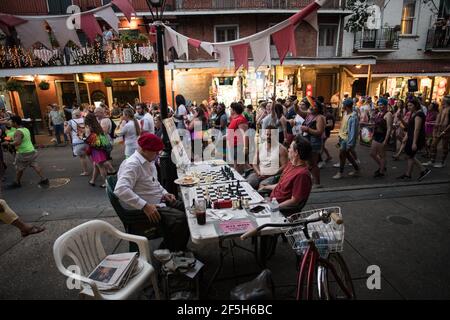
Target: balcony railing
column 380, row 39
column 438, row 38
column 250, row 4
column 18, row 57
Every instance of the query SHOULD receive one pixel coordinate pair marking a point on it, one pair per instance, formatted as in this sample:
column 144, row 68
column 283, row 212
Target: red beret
column 150, row 142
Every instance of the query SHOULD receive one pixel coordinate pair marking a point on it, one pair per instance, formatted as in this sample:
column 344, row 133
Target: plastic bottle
column 274, row 210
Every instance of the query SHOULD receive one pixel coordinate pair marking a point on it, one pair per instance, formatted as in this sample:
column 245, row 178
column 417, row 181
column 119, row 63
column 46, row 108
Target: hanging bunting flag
column 194, row 42
column 182, row 44
column 90, row 26
column 261, row 52
column 285, row 42
column 110, row 17
column 240, row 53
column 126, row 8
column 152, row 35
column 313, row 21
column 299, row 16
column 33, row 31
column 224, row 55
column 208, row 47
column 62, row 33
column 8, row 21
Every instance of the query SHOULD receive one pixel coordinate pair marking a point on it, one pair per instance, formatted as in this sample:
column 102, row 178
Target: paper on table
column 193, row 271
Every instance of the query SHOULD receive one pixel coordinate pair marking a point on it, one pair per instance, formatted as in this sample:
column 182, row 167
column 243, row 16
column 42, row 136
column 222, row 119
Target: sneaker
column 404, row 177
column 44, row 182
column 337, row 165
column 439, row 165
column 355, row 173
column 338, row 176
column 424, row 174
column 378, row 174
column 14, row 185
column 321, row 164
column 428, row 163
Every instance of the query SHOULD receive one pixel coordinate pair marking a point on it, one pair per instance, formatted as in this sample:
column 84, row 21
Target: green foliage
column 44, row 85
column 141, row 82
column 359, row 17
column 108, row 82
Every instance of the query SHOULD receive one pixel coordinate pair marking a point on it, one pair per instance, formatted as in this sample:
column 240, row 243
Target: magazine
column 114, row 271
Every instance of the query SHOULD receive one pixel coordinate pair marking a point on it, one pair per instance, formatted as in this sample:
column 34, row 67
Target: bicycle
column 317, row 254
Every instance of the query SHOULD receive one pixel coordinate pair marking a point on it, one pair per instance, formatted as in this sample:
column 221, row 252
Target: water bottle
column 274, row 211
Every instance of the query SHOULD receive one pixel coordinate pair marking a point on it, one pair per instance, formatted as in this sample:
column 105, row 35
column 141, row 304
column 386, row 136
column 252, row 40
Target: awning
column 405, row 68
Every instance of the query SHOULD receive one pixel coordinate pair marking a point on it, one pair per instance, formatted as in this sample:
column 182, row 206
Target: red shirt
column 294, row 182
column 234, row 125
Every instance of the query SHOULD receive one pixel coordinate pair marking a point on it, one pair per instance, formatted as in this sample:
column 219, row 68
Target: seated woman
column 270, row 160
column 294, row 187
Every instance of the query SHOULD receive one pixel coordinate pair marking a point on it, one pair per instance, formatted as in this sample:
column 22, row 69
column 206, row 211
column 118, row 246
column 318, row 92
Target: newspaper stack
column 114, row 271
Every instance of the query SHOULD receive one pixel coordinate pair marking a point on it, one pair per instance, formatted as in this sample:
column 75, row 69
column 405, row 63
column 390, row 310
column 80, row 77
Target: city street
column 400, row 227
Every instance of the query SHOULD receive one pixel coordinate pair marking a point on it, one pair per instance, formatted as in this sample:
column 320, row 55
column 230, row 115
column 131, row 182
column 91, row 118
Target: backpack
column 112, row 133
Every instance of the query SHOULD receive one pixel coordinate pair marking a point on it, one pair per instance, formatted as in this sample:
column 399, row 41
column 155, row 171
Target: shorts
column 408, row 149
column 79, row 150
column 25, row 160
column 316, row 143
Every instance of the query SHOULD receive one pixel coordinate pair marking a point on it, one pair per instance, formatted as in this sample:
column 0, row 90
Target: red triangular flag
column 285, row 42
column 11, row 21
column 240, row 53
column 195, row 43
column 299, row 16
column 126, row 8
column 90, row 26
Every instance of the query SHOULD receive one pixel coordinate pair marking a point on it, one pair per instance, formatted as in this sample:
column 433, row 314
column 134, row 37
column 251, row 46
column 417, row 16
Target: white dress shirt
column 137, row 183
column 148, row 123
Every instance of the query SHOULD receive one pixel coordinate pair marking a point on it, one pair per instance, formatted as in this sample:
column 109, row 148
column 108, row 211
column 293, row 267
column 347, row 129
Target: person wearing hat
column 348, row 135
column 138, row 186
column 382, row 131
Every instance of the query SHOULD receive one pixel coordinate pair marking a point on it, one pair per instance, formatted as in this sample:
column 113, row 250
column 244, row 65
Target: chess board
column 229, row 191
column 214, row 176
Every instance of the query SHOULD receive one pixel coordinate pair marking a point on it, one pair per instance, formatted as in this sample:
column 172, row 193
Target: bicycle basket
column 328, row 237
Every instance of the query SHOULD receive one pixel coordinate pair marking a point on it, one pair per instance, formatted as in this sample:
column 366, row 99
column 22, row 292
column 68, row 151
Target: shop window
column 226, row 33
column 58, row 6
column 408, row 16
column 125, row 91
column 68, row 93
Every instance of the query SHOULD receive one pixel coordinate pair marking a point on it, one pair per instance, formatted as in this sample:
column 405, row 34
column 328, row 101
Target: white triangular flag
column 312, row 20
column 224, row 55
column 183, row 48
column 110, row 17
column 63, row 34
column 261, row 52
column 33, row 31
column 208, row 47
column 170, row 39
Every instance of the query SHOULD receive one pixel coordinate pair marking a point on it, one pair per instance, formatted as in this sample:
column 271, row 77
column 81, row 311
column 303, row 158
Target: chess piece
column 240, row 203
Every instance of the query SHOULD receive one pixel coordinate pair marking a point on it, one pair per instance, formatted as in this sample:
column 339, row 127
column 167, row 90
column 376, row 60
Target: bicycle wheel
column 329, row 286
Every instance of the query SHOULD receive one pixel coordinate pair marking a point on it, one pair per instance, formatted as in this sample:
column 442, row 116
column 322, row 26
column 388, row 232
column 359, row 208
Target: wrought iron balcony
column 438, row 39
column 250, row 4
column 117, row 52
column 384, row 39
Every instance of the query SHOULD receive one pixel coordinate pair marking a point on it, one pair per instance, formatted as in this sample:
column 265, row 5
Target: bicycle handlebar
column 333, row 215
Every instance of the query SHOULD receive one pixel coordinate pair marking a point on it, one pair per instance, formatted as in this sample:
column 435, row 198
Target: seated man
column 270, row 160
column 138, row 186
column 295, row 183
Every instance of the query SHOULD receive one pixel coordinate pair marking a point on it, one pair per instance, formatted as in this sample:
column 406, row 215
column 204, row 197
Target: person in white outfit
column 130, row 131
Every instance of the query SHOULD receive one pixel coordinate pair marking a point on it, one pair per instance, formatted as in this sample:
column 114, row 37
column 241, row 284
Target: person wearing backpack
column 75, row 130
column 109, row 128
column 99, row 146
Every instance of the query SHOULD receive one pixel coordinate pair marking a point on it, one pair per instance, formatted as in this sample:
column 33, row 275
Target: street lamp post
column 168, row 169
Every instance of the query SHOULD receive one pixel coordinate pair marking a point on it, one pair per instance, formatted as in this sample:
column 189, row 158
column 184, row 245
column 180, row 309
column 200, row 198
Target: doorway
column 30, row 102
column 324, row 86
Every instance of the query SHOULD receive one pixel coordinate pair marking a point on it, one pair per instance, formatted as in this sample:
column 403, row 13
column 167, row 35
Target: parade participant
column 130, row 131
column 348, row 135
column 400, row 123
column 441, row 133
column 415, row 140
column 430, row 122
column 235, row 137
column 26, row 155
column 75, row 128
column 382, row 131
column 221, row 121
column 108, row 127
column 56, row 118
column 181, row 111
column 146, row 121
column 138, row 186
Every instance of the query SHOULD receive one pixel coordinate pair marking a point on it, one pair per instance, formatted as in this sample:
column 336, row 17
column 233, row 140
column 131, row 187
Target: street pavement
column 402, row 227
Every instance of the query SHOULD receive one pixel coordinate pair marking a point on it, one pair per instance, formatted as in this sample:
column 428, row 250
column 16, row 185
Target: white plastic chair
column 84, row 246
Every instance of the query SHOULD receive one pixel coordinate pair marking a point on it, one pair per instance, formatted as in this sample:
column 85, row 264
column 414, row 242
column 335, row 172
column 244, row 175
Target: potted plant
column 142, row 38
column 108, row 82
column 13, row 85
column 141, row 82
column 44, row 85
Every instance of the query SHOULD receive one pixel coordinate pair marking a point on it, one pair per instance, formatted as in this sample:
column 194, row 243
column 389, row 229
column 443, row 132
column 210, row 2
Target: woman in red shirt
column 236, row 138
column 295, row 183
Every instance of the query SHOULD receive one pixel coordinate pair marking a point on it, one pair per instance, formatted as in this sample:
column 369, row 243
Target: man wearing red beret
column 138, row 186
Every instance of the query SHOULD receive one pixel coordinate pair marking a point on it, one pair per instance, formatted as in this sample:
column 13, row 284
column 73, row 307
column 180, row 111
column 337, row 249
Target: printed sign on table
column 238, row 226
